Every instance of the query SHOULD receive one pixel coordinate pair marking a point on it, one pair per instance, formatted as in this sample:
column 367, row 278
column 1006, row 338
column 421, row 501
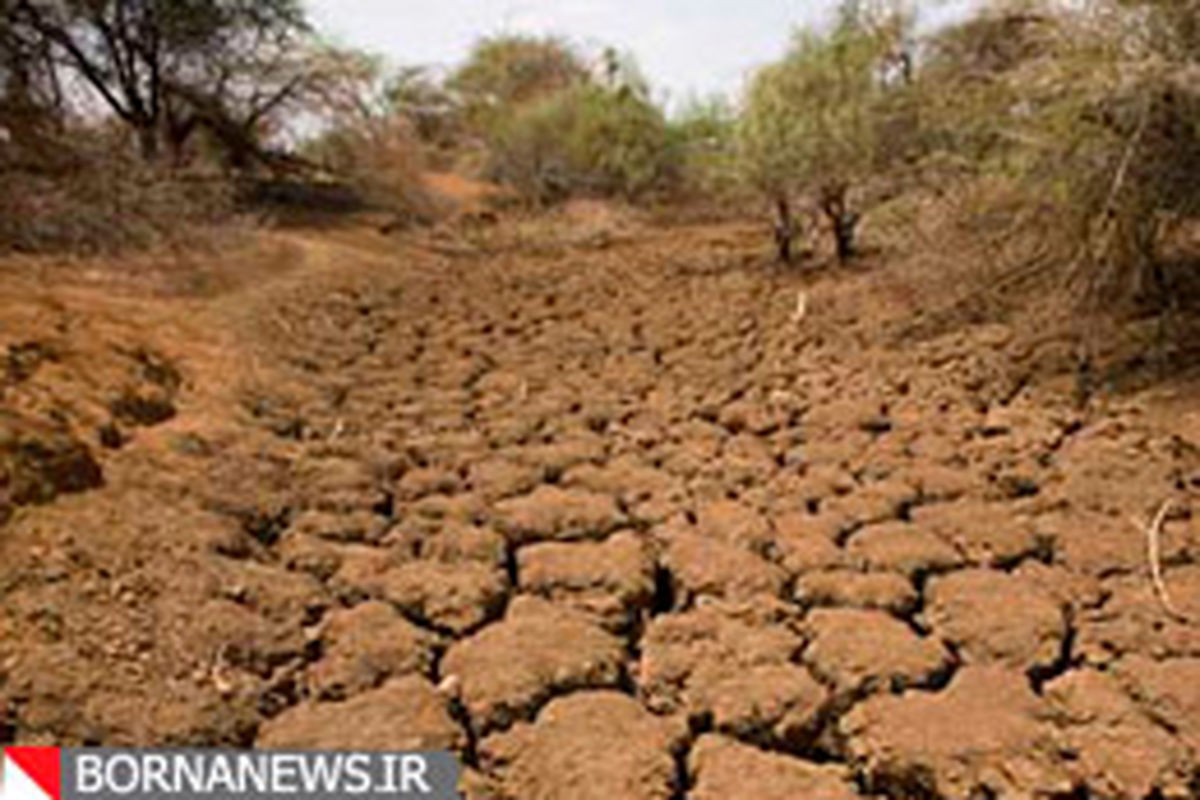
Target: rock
column 404, row 714
column 587, row 746
column 986, row 735
column 993, row 617
column 720, row 768
column 364, row 646
column 858, row 651
column 509, row 669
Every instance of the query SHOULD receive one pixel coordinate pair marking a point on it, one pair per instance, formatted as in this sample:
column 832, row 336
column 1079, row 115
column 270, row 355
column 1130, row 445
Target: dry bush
column 1087, row 117
column 99, row 197
column 381, row 160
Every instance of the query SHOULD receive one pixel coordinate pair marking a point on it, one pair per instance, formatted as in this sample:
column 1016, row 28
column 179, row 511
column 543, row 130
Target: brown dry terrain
column 584, row 500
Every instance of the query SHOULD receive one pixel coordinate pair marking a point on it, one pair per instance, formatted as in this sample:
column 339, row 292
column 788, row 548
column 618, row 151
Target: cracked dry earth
column 607, row 522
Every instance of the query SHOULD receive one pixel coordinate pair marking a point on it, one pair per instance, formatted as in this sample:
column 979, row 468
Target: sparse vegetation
column 812, row 124
column 503, row 74
column 588, row 139
column 1070, row 126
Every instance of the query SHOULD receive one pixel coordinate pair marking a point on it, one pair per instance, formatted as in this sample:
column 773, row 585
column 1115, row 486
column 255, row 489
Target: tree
column 167, row 67
column 504, row 73
column 810, row 123
column 703, row 130
column 416, row 94
column 592, row 137
column 31, row 97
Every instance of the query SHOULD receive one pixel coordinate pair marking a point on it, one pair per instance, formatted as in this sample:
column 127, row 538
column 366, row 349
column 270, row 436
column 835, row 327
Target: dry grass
column 96, row 197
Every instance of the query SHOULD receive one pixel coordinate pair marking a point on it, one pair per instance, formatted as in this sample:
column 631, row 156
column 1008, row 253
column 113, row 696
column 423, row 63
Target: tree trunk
column 147, row 136
column 785, row 230
column 843, row 221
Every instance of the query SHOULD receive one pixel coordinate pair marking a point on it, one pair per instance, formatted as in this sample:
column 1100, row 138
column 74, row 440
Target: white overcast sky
column 684, row 46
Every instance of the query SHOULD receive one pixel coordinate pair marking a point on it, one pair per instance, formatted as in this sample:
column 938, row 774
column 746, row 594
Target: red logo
column 31, row 773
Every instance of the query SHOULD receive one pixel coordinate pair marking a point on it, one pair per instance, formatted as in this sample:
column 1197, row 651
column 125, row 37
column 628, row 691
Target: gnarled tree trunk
column 842, row 220
column 785, row 229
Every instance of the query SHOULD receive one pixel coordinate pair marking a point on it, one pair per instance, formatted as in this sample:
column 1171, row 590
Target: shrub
column 703, row 132
column 381, row 161
column 369, row 143
column 505, row 73
column 1092, row 113
column 811, row 123
column 1114, row 150
column 102, row 197
column 588, row 139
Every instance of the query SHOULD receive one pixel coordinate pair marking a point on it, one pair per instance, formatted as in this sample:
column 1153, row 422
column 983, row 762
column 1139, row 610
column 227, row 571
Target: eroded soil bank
column 598, row 512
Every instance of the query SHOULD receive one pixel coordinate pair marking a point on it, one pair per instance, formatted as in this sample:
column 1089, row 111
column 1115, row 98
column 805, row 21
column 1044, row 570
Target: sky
column 685, row 47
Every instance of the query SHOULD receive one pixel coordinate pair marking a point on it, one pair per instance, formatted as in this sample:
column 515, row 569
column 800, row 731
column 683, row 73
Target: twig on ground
column 1154, row 555
column 801, row 307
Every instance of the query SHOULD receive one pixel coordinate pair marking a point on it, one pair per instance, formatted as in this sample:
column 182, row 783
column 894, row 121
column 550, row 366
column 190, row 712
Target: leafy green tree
column 704, row 131
column 504, row 73
column 811, row 123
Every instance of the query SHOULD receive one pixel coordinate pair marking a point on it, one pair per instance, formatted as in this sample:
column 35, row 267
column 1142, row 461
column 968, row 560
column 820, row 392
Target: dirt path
column 603, row 516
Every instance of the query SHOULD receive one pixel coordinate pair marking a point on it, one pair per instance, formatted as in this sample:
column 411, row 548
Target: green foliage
column 817, row 121
column 704, row 133
column 504, row 73
column 1093, row 114
column 587, row 139
column 809, row 119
